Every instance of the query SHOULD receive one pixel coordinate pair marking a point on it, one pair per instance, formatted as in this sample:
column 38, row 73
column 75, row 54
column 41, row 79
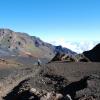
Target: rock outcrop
column 63, row 57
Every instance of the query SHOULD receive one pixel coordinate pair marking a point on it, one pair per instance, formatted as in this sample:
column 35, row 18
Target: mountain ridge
column 24, row 44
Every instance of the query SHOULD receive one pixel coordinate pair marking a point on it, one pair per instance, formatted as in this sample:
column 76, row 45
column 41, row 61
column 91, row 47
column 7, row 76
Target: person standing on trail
column 39, row 62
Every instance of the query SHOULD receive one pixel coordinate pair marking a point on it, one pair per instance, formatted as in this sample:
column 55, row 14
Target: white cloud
column 78, row 46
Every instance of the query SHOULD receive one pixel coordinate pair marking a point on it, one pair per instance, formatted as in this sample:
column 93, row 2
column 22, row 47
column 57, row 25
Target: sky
column 54, row 21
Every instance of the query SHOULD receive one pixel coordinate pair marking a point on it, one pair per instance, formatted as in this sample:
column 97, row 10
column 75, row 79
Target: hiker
column 39, row 62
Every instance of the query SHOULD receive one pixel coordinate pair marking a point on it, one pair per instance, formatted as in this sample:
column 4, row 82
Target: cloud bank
column 78, row 46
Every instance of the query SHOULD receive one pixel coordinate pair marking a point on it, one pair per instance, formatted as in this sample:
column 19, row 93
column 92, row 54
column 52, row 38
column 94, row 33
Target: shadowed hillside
column 94, row 54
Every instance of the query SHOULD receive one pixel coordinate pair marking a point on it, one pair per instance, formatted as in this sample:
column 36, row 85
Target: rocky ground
column 53, row 81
